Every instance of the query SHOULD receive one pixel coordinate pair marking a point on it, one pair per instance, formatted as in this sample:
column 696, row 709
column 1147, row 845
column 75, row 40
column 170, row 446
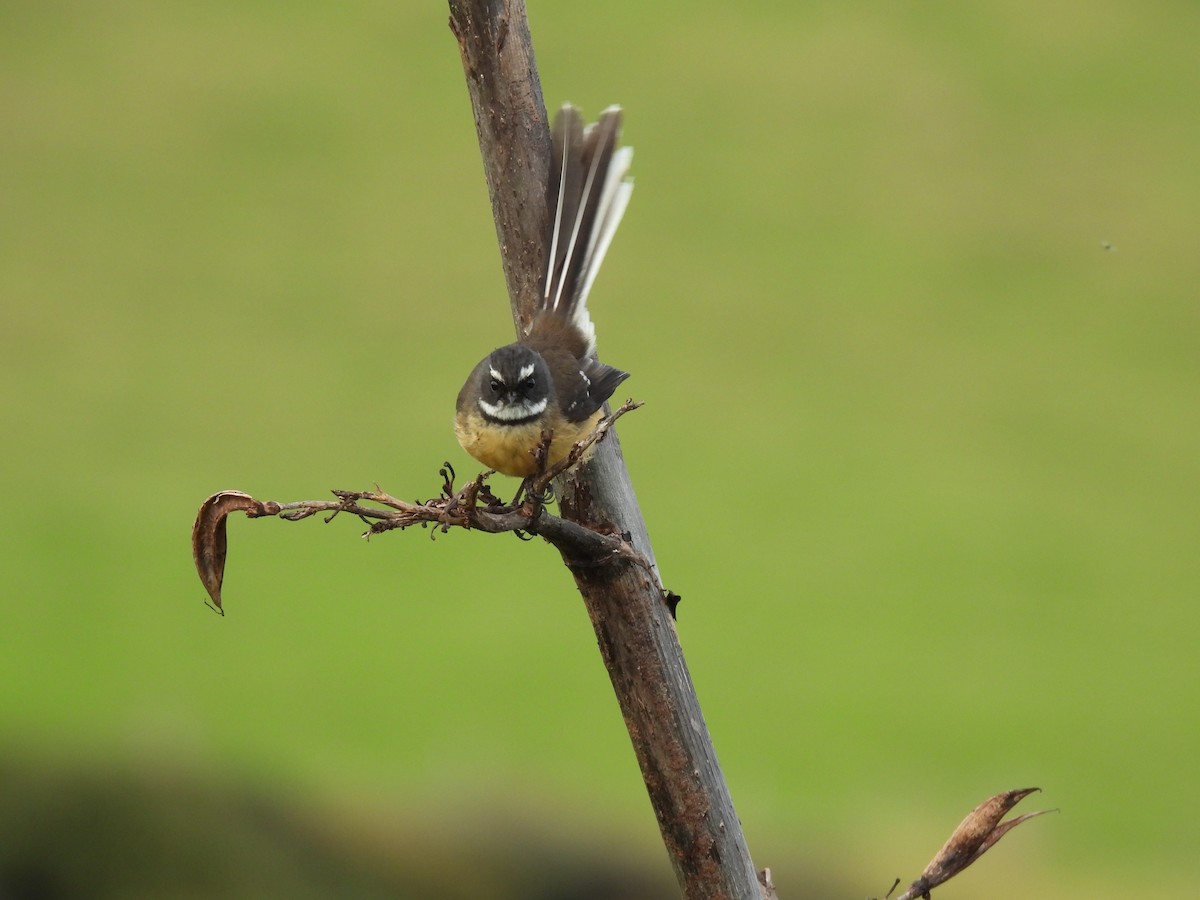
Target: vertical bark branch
column 625, row 600
column 514, row 135
column 640, row 646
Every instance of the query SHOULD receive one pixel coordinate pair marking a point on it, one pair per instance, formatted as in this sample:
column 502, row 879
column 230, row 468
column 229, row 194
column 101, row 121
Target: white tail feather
column 558, row 211
column 614, row 189
column 588, row 184
column 617, row 191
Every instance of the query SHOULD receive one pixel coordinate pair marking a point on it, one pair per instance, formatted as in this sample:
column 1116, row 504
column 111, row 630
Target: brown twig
column 383, row 512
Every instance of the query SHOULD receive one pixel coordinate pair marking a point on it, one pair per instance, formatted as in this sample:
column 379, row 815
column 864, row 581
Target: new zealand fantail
column 550, row 380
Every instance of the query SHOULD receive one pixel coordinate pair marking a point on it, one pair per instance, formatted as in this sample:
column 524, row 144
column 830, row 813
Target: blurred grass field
column 909, row 292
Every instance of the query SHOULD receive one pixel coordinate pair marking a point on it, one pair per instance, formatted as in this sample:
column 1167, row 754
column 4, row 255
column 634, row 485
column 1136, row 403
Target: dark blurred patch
column 69, row 832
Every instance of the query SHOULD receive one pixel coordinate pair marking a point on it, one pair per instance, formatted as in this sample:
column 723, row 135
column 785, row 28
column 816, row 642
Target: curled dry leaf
column 208, row 535
column 974, row 836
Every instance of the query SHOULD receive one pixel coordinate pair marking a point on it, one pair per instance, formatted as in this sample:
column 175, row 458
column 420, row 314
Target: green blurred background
column 909, row 290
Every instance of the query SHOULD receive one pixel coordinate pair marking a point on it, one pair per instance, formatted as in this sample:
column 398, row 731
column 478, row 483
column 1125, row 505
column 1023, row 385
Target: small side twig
column 579, row 450
column 473, row 507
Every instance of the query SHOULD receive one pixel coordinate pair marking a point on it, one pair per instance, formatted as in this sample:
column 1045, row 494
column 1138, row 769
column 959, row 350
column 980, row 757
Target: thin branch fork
column 474, row 506
column 461, row 509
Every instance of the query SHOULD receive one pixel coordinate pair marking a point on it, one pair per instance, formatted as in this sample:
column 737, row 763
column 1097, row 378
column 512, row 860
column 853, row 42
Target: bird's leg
column 536, row 490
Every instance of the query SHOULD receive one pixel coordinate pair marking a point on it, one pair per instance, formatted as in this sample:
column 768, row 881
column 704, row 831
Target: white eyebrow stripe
column 496, row 375
column 525, row 372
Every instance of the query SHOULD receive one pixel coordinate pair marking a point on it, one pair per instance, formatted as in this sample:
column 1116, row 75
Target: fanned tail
column 589, row 191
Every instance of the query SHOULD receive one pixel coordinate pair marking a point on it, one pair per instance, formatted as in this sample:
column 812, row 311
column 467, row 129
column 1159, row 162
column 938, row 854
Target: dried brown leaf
column 209, row 543
column 974, row 836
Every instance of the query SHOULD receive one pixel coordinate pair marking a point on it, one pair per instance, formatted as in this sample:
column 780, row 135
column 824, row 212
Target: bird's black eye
column 528, row 383
column 497, row 385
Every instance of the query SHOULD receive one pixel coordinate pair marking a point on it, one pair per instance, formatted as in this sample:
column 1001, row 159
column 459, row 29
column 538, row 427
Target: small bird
column 550, row 380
